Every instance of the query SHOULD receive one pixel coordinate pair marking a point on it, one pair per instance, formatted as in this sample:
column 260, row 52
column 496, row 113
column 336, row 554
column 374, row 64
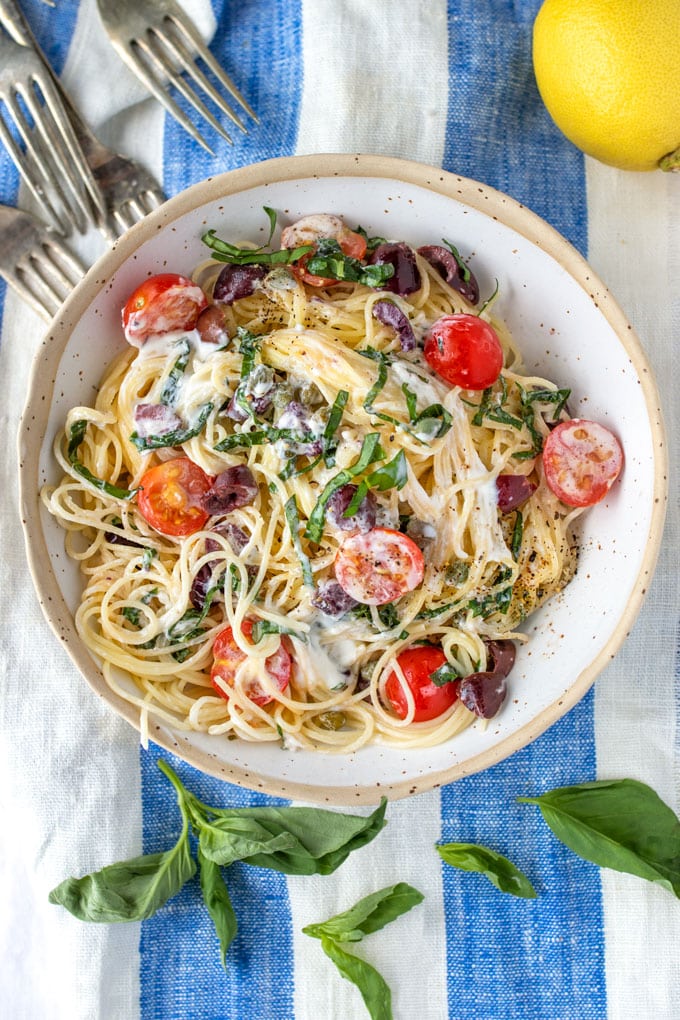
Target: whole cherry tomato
column 464, row 350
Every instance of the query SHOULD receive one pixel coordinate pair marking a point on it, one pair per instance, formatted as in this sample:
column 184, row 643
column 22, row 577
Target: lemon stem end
column 671, row 161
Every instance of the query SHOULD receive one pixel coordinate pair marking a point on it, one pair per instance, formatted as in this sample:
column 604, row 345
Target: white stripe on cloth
column 75, row 803
column 382, row 89
column 402, row 852
column 638, row 257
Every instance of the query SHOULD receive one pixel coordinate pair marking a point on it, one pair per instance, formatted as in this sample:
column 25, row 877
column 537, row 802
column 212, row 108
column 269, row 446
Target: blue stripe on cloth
column 259, row 46
column 508, row 958
column 181, row 976
column 498, row 130
column 513, row 959
column 180, row 973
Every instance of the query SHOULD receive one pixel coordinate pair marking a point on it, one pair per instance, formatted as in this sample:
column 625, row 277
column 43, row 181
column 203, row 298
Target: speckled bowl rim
column 472, row 193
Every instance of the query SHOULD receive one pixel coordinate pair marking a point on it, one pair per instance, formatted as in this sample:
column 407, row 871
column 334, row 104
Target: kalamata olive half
column 512, row 491
column 484, row 693
column 332, row 600
column 362, row 520
column 406, row 277
column 236, row 282
column 455, row 272
column 233, row 488
column 391, row 315
column 210, row 325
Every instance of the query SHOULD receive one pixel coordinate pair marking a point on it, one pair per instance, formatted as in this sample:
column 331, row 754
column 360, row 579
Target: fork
column 35, row 262
column 158, row 42
column 40, row 139
column 128, row 191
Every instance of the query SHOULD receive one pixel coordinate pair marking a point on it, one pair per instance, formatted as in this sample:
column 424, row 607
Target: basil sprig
column 500, row 871
column 368, row 915
column 130, row 890
column 76, row 436
column 619, row 823
column 292, row 840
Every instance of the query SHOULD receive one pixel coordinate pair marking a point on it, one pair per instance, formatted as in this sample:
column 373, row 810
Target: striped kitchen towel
column 449, row 84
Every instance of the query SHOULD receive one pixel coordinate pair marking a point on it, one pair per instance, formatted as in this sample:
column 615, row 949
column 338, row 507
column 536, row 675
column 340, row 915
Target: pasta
column 359, row 516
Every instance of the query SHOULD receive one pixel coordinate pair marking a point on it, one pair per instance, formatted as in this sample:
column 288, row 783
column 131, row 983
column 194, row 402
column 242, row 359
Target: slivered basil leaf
column 225, row 252
column 293, row 520
column 130, row 890
column 169, row 392
column 392, row 475
column 619, row 823
column 216, row 898
column 371, row 242
column 411, row 401
column 263, row 627
column 76, row 436
column 538, row 396
column 444, row 675
column 374, row 989
column 517, row 533
column 175, row 438
column 383, row 360
column 498, row 869
column 462, row 266
column 371, row 451
column 368, row 915
column 330, row 441
column 329, row 260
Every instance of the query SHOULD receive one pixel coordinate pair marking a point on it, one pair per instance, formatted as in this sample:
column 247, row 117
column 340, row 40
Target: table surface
column 448, row 84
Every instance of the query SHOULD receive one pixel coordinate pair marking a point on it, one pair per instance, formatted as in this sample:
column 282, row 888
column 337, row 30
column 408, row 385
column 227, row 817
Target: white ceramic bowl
column 569, row 329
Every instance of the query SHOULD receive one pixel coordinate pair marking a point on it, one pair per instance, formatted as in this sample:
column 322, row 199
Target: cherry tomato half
column 581, row 461
column 464, row 350
column 418, row 665
column 228, row 657
column 378, row 566
column 314, row 228
column 160, row 305
column 170, row 497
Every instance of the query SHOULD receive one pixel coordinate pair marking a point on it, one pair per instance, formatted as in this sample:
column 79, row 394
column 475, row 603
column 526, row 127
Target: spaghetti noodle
column 354, row 505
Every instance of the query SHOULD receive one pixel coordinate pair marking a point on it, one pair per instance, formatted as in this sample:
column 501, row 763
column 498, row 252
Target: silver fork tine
column 47, row 163
column 30, row 172
column 160, row 44
column 165, row 51
column 176, row 46
column 205, row 55
column 156, row 87
column 121, row 180
column 52, row 163
column 35, row 263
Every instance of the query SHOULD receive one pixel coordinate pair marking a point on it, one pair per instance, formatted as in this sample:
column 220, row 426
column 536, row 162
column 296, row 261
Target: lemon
column 609, row 73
